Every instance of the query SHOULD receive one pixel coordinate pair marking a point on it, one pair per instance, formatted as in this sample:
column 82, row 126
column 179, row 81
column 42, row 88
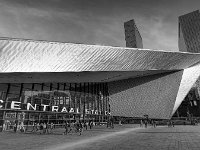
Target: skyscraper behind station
column 132, row 35
column 189, row 41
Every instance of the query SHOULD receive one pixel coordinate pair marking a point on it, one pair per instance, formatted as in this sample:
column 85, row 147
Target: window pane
column 46, row 87
column 27, row 86
column 3, row 90
column 37, row 87
column 15, row 89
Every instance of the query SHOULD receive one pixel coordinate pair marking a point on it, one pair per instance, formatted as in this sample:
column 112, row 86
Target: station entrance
column 28, row 118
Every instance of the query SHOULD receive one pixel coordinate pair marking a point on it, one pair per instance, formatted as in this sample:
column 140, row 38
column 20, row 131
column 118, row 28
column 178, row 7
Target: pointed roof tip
column 195, row 11
column 132, row 20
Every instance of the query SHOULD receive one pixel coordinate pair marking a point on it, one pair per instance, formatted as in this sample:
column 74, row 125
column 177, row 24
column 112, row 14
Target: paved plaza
column 121, row 137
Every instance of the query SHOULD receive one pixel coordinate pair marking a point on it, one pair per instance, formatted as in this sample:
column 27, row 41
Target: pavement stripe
column 90, row 140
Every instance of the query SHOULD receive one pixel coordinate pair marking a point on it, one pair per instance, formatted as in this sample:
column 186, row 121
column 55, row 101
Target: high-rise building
column 189, row 32
column 189, row 41
column 132, row 35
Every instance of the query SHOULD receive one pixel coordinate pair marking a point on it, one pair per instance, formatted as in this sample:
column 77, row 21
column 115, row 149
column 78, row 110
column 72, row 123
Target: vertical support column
column 108, row 103
column 92, row 93
column 64, row 98
column 39, row 117
column 6, row 103
column 6, row 97
column 32, row 89
column 51, row 85
column 98, row 102
column 58, row 98
column 75, row 95
column 100, row 105
column 20, row 93
column 75, row 100
column 84, row 90
column 80, row 90
column 95, row 100
column 70, row 88
column 104, row 99
column 42, row 88
column 88, row 95
column 101, row 101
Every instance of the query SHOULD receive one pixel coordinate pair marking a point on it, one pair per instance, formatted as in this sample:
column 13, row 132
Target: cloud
column 158, row 34
column 93, row 22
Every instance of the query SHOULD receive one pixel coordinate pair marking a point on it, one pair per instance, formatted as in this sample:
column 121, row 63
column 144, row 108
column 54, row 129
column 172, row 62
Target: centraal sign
column 15, row 105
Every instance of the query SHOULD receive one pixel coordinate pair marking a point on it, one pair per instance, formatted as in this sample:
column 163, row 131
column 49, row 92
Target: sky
column 98, row 22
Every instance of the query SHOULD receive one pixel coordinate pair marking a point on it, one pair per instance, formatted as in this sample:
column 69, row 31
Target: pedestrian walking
column 154, row 123
column 4, row 126
column 85, row 125
column 145, row 123
column 91, row 124
column 44, row 127
column 15, row 127
column 141, row 123
column 70, row 127
column 38, row 126
column 66, row 128
column 112, row 122
column 34, row 127
column 51, row 127
column 22, row 129
column 41, row 128
column 47, row 128
column 172, row 123
column 80, row 126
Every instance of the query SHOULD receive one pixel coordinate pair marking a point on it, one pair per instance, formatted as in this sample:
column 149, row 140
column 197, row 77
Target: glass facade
column 53, row 102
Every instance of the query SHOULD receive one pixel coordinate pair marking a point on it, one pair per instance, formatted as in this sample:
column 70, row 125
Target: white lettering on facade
column 87, row 111
column 77, row 111
column 96, row 112
column 44, row 107
column 1, row 101
column 92, row 111
column 15, row 105
column 29, row 105
column 64, row 109
column 55, row 108
column 71, row 110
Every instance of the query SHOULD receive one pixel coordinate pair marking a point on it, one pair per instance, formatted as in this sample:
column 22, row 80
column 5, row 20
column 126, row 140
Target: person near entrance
column 15, row 126
column 34, row 127
column 80, row 127
column 44, row 128
column 41, row 128
column 22, row 129
column 51, row 127
column 85, row 125
column 66, row 128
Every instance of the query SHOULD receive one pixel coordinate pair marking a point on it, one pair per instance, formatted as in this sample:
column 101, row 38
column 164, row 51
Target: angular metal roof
column 42, row 56
column 28, row 61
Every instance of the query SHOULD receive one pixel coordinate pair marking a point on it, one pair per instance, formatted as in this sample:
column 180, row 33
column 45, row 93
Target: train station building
column 58, row 81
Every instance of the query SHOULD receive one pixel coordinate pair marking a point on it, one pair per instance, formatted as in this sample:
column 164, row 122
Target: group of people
column 170, row 123
column 145, row 122
column 43, row 127
column 47, row 128
column 110, row 123
column 18, row 126
column 77, row 126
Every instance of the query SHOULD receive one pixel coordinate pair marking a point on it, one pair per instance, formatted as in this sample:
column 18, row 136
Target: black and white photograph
column 99, row 75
